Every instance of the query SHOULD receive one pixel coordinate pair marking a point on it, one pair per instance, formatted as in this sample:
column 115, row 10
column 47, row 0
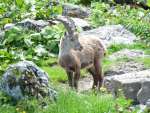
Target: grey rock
column 33, row 24
column 112, row 34
column 144, row 93
column 148, row 103
column 25, row 79
column 129, row 83
column 9, row 26
column 75, row 11
column 124, row 67
column 82, row 24
column 85, row 83
column 128, row 53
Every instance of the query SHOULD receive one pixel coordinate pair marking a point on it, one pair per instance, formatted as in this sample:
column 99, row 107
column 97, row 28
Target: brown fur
column 78, row 52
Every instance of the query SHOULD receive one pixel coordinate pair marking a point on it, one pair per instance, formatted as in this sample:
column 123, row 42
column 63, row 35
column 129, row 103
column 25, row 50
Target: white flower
column 140, row 14
column 40, row 50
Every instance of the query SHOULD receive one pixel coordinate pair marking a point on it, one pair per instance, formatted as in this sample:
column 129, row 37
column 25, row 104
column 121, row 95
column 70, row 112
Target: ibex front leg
column 70, row 78
column 76, row 78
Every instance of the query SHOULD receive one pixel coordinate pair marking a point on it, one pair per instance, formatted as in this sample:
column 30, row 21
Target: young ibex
column 78, row 52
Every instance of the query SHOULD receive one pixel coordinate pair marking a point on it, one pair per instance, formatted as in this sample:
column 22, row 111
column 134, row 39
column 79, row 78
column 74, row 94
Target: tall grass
column 71, row 102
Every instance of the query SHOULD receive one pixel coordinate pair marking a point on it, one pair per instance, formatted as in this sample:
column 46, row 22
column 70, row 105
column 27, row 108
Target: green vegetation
column 71, row 102
column 134, row 19
column 16, row 10
column 42, row 48
column 56, row 73
column 145, row 61
column 117, row 47
column 30, row 41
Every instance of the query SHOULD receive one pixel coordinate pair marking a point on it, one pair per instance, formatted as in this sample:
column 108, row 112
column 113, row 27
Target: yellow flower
column 103, row 89
column 23, row 112
column 17, row 109
column 119, row 90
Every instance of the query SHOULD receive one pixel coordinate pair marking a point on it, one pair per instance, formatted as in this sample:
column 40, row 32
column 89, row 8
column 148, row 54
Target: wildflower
column 120, row 90
column 103, row 89
column 17, row 109
column 23, row 112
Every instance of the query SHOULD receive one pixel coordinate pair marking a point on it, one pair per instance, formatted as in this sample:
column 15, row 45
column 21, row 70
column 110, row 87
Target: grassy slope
column 72, row 102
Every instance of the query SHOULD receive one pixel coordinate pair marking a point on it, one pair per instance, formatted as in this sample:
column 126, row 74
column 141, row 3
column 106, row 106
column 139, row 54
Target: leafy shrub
column 5, row 59
column 27, row 44
column 45, row 9
column 12, row 11
column 145, row 2
column 136, row 20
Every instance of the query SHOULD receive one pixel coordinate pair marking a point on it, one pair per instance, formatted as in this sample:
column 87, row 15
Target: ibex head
column 70, row 43
column 70, row 39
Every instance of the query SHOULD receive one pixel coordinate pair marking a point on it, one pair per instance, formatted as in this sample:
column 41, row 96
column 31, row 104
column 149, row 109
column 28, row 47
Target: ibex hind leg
column 98, row 71
column 95, row 79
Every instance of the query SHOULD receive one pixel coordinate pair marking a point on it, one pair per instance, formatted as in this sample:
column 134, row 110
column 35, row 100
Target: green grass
column 7, row 109
column 56, row 73
column 47, row 62
column 108, row 63
column 71, row 102
column 117, row 47
column 145, row 61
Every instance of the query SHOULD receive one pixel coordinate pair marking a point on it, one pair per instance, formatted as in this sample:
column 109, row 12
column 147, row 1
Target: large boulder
column 75, row 11
column 33, row 24
column 25, row 79
column 112, row 34
column 129, row 83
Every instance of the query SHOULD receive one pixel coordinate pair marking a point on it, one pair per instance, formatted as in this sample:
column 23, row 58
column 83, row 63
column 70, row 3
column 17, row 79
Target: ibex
column 77, row 52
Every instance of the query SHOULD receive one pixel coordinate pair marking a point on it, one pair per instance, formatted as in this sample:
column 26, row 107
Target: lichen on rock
column 25, row 79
